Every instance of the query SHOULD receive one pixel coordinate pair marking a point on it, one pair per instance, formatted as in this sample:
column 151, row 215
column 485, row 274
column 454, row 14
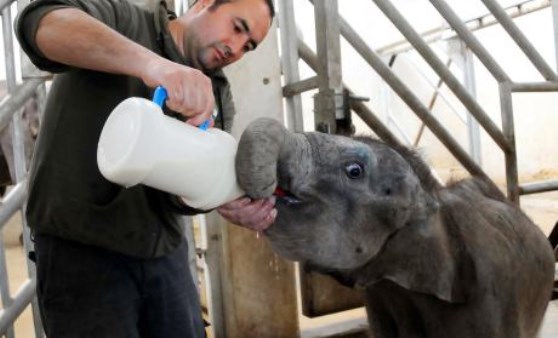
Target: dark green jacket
column 68, row 197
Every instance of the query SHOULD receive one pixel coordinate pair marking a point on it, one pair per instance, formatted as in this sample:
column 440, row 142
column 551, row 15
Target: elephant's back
column 512, row 256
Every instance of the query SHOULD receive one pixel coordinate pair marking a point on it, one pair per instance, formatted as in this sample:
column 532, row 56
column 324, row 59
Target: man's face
column 216, row 37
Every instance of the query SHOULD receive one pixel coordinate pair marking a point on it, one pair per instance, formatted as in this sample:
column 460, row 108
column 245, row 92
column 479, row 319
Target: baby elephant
column 433, row 261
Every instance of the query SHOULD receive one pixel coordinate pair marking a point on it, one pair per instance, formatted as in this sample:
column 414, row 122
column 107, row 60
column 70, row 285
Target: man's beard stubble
column 193, row 53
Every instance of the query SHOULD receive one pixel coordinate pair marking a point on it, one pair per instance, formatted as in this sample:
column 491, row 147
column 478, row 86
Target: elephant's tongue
column 280, row 192
column 286, row 196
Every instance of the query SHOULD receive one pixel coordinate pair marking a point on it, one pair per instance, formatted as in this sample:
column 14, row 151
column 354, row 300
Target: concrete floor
column 542, row 208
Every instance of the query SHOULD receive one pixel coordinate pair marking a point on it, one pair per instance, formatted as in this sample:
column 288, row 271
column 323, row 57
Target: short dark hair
column 269, row 3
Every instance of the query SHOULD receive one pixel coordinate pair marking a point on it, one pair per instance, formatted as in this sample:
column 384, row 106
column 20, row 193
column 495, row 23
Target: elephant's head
column 339, row 199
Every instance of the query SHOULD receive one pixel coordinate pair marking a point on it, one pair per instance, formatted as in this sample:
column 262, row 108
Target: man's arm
column 72, row 37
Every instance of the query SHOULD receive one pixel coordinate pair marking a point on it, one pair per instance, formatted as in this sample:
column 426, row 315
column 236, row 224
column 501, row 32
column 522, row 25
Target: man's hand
column 189, row 91
column 257, row 215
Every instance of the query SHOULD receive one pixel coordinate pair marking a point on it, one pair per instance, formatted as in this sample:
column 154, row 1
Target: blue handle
column 160, row 96
column 205, row 124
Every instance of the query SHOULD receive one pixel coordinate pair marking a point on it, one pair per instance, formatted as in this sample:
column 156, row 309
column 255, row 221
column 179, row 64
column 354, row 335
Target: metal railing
column 503, row 137
column 11, row 107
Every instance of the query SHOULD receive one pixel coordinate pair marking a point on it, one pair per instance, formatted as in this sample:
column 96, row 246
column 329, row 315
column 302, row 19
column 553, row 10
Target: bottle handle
column 160, row 96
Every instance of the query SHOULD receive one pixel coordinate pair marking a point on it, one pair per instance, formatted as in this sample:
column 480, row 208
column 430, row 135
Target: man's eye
column 237, row 29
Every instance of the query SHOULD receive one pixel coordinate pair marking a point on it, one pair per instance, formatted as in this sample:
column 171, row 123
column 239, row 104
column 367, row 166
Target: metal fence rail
column 504, row 136
column 11, row 108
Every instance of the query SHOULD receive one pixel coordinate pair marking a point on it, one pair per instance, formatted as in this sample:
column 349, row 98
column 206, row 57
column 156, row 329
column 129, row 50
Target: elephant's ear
column 425, row 257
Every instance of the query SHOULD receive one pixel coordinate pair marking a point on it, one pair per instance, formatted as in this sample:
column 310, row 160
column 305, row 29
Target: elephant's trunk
column 264, row 144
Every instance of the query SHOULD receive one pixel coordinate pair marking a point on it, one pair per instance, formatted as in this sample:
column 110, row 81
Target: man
column 111, row 262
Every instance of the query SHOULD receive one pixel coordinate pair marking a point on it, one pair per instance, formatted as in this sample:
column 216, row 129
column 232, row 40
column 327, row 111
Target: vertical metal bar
column 28, row 70
column 471, row 85
column 328, row 103
column 438, row 66
column 11, row 83
column 555, row 19
column 512, row 173
column 289, row 60
column 517, row 35
column 7, row 300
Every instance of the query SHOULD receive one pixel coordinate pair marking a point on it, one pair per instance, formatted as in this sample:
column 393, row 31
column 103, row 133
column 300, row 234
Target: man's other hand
column 257, row 215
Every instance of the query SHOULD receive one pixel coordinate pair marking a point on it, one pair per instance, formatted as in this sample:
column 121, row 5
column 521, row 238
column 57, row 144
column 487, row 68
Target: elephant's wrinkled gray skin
column 437, row 262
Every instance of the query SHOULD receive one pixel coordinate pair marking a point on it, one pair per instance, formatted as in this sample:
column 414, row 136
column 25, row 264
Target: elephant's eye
column 354, row 170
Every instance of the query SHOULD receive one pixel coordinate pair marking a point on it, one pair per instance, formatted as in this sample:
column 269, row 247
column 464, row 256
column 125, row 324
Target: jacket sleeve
column 117, row 14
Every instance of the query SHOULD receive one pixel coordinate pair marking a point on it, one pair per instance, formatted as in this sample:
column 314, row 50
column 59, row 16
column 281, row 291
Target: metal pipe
column 538, row 187
column 444, row 33
column 438, row 66
column 517, row 35
column 469, row 38
column 308, row 56
column 328, row 102
column 7, row 300
column 295, row 88
column 535, row 87
column 16, row 100
column 555, row 21
column 471, row 85
column 289, row 61
column 12, row 202
column 22, row 298
column 512, row 173
column 9, row 48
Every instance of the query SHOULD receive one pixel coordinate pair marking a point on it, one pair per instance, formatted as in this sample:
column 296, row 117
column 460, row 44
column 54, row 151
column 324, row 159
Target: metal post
column 512, row 174
column 472, row 124
column 328, row 102
column 555, row 19
column 289, row 60
column 11, row 83
column 464, row 56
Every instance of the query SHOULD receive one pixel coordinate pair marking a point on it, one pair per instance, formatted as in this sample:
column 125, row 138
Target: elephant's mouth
column 286, row 196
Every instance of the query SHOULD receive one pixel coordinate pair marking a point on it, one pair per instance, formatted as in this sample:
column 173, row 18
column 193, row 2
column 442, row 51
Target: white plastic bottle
column 139, row 144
